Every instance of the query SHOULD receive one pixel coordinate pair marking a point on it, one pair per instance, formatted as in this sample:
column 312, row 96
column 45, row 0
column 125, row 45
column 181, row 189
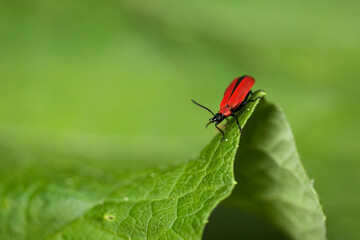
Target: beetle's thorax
column 225, row 110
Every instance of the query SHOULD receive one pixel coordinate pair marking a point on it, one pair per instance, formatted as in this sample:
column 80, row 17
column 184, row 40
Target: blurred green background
column 112, row 81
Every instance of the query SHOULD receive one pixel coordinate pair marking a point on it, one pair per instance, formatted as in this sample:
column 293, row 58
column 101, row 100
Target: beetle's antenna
column 202, row 106
column 208, row 124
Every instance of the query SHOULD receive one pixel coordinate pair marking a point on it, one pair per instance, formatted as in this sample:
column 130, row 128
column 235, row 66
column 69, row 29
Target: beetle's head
column 217, row 118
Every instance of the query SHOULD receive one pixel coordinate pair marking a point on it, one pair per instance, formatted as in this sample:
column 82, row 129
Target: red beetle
column 236, row 96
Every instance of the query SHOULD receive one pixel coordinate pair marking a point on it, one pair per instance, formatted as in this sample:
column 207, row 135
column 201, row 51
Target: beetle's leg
column 244, row 103
column 237, row 121
column 248, row 95
column 246, row 98
column 223, row 135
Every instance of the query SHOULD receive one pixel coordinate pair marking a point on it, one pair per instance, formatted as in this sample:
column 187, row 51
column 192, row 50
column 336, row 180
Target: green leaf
column 273, row 185
column 54, row 201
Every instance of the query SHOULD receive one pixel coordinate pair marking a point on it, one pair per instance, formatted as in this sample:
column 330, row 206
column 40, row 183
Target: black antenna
column 202, row 106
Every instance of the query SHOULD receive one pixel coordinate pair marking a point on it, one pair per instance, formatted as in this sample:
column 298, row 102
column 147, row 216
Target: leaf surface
column 272, row 184
column 52, row 201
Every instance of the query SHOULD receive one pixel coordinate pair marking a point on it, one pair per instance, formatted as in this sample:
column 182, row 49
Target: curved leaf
column 50, row 201
column 74, row 203
column 273, row 185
